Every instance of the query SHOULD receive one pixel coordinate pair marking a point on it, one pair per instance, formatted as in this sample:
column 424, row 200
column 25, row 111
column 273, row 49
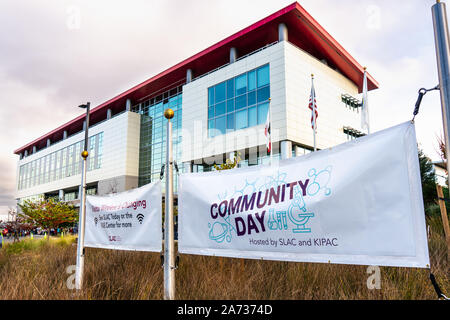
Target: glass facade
column 240, row 102
column 60, row 164
column 152, row 151
column 33, row 198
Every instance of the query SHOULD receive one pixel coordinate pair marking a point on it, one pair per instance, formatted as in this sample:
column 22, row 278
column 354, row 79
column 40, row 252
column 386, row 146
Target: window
column 60, row 164
column 153, row 129
column 239, row 103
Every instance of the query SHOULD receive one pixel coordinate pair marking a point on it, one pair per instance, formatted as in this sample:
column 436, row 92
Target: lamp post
column 82, row 216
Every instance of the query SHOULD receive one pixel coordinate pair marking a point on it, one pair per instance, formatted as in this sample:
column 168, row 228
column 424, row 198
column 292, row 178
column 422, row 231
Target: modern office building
column 221, row 99
column 440, row 170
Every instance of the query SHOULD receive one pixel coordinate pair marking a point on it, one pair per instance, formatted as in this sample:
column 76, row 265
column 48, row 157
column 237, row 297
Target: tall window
column 152, row 151
column 60, row 164
column 240, row 102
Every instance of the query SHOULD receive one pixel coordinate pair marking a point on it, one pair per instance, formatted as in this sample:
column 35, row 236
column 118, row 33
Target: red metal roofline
column 308, row 19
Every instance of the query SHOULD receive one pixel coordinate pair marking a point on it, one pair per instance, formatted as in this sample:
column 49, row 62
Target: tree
column 228, row 163
column 16, row 224
column 48, row 214
column 428, row 179
column 442, row 153
column 441, row 146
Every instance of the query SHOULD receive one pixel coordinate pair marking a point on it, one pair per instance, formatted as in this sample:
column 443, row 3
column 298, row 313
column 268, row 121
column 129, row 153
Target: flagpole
column 314, row 112
column 169, row 242
column 365, row 104
column 271, row 146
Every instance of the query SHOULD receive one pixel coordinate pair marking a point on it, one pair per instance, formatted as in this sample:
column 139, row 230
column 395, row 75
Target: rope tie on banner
column 176, row 167
column 437, row 288
column 161, row 174
column 422, row 92
column 177, row 263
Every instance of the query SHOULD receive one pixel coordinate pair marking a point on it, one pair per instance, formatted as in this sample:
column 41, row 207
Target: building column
column 282, row 32
column 188, row 75
column 233, row 55
column 187, row 167
column 61, row 195
column 21, row 156
column 26, row 153
column 286, row 149
column 65, row 134
column 298, row 151
column 34, row 149
column 195, row 168
column 128, row 105
column 108, row 114
column 49, row 142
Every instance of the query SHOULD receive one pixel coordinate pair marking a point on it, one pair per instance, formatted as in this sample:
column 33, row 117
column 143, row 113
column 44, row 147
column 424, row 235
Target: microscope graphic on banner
column 295, row 217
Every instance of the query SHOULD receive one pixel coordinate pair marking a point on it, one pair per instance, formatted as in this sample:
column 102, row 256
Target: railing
column 240, row 58
column 350, row 101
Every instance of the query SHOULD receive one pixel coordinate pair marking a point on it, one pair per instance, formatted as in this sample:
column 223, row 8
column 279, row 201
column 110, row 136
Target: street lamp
column 82, row 216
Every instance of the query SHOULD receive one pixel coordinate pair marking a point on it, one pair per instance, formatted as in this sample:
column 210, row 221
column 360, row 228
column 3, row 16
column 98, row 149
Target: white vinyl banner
column 356, row 203
column 129, row 220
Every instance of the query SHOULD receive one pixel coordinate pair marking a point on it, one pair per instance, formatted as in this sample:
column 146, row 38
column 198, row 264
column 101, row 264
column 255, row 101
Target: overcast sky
column 56, row 54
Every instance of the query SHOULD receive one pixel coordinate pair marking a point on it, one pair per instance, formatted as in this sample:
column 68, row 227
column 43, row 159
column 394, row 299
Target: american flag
column 267, row 131
column 313, row 107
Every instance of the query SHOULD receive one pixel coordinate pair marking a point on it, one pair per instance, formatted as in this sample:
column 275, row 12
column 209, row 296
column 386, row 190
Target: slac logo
column 114, row 238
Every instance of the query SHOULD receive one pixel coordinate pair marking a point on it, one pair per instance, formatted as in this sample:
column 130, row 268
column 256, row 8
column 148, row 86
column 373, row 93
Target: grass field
column 36, row 269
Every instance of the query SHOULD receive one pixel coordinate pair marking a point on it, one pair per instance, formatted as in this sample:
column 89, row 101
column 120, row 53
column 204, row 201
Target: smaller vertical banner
column 129, row 220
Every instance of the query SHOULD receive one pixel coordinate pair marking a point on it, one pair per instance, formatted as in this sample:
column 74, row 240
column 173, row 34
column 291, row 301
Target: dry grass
column 37, row 270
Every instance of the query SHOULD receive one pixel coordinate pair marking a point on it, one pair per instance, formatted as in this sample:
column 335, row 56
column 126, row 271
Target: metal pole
column 314, row 112
column 271, row 130
column 442, row 41
column 82, row 217
column 169, row 241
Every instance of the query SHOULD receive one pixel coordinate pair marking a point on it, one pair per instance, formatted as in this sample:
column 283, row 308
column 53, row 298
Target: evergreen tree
column 428, row 179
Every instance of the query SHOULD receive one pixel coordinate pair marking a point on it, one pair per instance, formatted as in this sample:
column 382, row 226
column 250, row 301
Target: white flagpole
column 365, row 105
column 79, row 271
column 313, row 98
column 169, row 243
column 270, row 134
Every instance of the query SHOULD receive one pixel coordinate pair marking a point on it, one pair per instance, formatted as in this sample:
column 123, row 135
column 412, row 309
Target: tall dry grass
column 37, row 270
